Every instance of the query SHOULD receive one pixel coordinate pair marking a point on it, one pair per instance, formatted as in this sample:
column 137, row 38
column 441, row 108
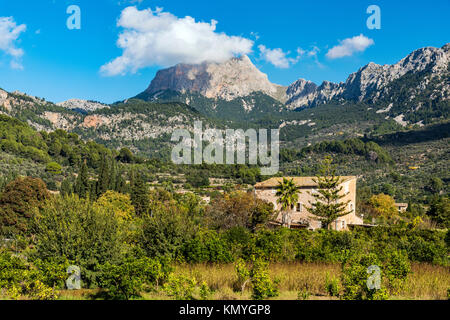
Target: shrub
column 263, row 286
column 242, row 275
column 166, row 231
column 359, row 269
column 355, row 276
column 332, row 286
column 180, row 287
column 130, row 277
column 20, row 278
column 207, row 246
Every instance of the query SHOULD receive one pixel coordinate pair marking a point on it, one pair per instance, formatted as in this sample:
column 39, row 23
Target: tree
column 72, row 228
column 287, row 193
column 166, row 230
column 125, row 156
column 435, row 185
column 238, row 209
column 440, row 211
column 140, row 197
column 198, row 179
column 118, row 203
column 384, row 205
column 328, row 205
column 53, row 168
column 82, row 186
column 66, row 187
column 18, row 202
column 103, row 182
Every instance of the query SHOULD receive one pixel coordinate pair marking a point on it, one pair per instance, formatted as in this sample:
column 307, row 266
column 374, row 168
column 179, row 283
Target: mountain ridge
column 370, row 80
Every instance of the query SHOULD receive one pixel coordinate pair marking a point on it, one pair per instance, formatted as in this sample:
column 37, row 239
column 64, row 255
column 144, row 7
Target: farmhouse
column 300, row 217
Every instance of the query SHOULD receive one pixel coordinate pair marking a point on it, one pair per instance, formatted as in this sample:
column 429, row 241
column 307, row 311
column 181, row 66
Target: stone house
column 401, row 207
column 300, row 217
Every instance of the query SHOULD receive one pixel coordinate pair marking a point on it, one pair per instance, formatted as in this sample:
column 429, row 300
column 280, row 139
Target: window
column 343, row 224
column 350, row 206
column 299, row 207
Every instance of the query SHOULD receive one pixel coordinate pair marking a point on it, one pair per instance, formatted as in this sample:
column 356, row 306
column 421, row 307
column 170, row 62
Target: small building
column 401, row 207
column 300, row 216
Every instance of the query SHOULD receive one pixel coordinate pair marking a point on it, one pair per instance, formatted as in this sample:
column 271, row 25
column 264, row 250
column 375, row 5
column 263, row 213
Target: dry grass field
column 426, row 282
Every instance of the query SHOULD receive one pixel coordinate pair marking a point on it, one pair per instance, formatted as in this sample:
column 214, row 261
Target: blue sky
column 287, row 40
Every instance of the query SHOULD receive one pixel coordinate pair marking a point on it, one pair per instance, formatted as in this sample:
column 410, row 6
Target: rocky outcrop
column 82, row 105
column 235, row 78
column 371, row 82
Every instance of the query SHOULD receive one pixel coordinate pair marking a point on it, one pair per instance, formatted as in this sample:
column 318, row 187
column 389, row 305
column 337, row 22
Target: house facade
column 299, row 215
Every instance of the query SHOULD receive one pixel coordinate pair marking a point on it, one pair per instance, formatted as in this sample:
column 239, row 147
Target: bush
column 355, row 275
column 263, row 286
column 332, row 286
column 165, row 232
column 367, row 277
column 180, row 287
column 131, row 276
column 207, row 246
column 242, row 276
column 18, row 278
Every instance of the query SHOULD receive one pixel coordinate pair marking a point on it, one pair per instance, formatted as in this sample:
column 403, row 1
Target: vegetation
column 328, row 205
column 140, row 228
column 287, row 193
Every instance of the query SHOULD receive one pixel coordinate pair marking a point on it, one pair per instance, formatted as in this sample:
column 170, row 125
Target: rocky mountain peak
column 236, row 77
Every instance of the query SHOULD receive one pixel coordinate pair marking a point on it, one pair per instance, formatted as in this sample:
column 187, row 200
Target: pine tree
column 140, row 196
column 82, row 186
column 327, row 206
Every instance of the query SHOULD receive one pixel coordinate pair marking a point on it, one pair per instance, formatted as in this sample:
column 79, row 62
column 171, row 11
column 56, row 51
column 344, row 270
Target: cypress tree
column 113, row 176
column 82, row 187
column 103, row 177
column 140, row 197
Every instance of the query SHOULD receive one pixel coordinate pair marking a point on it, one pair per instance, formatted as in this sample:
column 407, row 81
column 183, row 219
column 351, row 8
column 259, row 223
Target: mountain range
column 401, row 87
column 414, row 91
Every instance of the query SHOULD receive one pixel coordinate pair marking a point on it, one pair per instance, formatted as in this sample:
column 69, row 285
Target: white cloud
column 349, row 46
column 278, row 57
column 16, row 65
column 9, row 33
column 160, row 38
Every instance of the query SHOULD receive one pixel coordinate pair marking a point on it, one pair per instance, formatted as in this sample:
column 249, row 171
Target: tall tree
column 82, row 187
column 113, row 176
column 140, row 196
column 287, row 193
column 103, row 177
column 328, row 205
